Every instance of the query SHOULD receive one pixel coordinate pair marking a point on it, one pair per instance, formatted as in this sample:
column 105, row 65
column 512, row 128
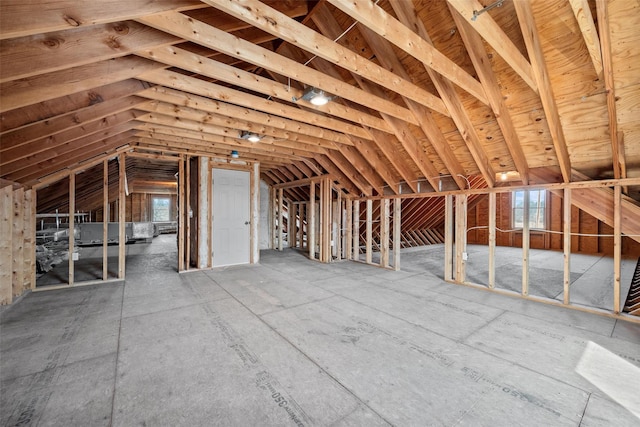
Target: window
column 161, row 209
column 537, row 211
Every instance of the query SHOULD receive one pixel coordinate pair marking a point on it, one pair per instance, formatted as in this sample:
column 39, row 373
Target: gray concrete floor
column 295, row 342
column 591, row 275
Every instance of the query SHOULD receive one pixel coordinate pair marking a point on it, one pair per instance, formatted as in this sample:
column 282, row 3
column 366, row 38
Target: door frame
column 254, row 205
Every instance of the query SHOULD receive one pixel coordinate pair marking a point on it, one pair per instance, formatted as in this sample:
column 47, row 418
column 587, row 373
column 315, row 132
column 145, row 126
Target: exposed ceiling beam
column 205, row 35
column 452, row 100
column 340, row 176
column 16, row 157
column 497, row 39
column 379, row 21
column 40, row 113
column 482, row 64
column 308, row 142
column 270, row 20
column 19, row 18
column 583, row 15
column 45, row 53
column 92, row 147
column 186, row 60
column 616, row 138
column 211, row 90
column 31, row 90
column 541, row 74
column 175, row 97
column 74, row 119
column 385, row 54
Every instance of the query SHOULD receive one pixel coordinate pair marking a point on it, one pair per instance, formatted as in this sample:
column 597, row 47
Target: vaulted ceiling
column 469, row 91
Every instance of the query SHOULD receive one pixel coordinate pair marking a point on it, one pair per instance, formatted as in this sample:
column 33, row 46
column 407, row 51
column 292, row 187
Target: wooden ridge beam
column 375, row 18
column 264, row 17
column 205, row 35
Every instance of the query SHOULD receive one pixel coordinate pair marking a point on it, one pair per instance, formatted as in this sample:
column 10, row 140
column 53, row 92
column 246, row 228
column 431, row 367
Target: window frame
column 153, row 208
column 541, row 208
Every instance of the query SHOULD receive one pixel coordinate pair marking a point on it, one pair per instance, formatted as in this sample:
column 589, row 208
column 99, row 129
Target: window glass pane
column 537, row 212
column 161, row 209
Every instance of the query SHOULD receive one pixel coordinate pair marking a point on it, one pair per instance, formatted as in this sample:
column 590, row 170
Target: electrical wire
column 482, row 227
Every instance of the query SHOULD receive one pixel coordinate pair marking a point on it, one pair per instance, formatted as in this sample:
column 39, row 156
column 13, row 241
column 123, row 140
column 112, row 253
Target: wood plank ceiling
column 424, row 90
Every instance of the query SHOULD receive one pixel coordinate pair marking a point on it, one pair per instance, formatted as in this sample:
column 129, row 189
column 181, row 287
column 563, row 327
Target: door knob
column 246, row 223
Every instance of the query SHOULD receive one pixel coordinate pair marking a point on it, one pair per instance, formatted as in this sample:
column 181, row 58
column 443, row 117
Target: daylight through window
column 161, row 209
column 537, row 211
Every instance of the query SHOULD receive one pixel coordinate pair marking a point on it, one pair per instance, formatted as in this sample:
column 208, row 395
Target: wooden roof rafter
column 541, row 74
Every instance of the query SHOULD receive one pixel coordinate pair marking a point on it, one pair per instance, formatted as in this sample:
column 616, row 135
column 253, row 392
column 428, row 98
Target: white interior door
column 231, row 214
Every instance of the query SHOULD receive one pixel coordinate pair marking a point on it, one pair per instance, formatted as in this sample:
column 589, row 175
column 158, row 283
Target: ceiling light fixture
column 250, row 136
column 315, row 96
column 503, row 176
column 235, row 154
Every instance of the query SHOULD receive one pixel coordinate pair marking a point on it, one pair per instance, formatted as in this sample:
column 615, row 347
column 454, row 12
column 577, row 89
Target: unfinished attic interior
column 266, row 194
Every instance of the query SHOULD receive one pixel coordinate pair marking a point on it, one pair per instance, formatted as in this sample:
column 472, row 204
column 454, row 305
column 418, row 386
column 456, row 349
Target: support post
column 397, row 229
column 30, row 239
column 105, row 219
column 448, row 237
column 348, row 206
column 72, row 225
column 356, row 230
column 617, row 246
column 338, row 221
column 369, row 236
column 272, row 218
column 301, row 226
column 181, row 210
column 187, row 211
column 292, row 224
column 254, row 221
column 461, row 237
column 121, row 215
column 525, row 244
column 384, row 236
column 566, row 234
column 492, row 240
column 325, row 221
column 280, row 218
column 311, row 224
